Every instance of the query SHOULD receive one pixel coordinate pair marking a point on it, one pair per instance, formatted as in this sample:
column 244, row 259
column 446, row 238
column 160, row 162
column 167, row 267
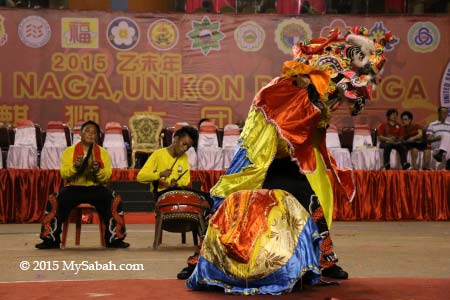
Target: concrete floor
column 365, row 249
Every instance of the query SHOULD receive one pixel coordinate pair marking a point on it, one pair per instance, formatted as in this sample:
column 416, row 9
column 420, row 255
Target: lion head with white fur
column 354, row 64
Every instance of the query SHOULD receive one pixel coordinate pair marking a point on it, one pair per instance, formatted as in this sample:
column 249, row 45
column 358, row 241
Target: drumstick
column 174, row 163
column 181, row 175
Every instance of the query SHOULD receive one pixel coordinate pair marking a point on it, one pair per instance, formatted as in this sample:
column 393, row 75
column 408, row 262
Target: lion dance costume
column 273, row 208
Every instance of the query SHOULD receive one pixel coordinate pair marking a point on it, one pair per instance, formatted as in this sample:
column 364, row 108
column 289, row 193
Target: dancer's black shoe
column 186, row 272
column 118, row 244
column 335, row 272
column 47, row 244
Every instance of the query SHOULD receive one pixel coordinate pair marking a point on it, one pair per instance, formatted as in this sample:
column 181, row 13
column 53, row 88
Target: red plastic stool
column 76, row 214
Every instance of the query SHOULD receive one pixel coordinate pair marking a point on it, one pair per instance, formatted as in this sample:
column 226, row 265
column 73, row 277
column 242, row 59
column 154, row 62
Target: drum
column 180, row 211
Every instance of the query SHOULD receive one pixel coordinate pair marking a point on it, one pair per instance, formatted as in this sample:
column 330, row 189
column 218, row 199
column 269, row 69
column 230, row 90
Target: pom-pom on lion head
column 354, row 64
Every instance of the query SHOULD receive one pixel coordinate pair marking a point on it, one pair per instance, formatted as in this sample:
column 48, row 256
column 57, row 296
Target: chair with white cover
column 191, row 153
column 209, row 154
column 54, row 145
column 76, row 137
column 341, row 155
column 365, row 156
column 114, row 143
column 231, row 133
column 23, row 154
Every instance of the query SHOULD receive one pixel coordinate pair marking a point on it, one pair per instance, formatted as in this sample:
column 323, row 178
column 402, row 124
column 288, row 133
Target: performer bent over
column 282, row 156
column 87, row 168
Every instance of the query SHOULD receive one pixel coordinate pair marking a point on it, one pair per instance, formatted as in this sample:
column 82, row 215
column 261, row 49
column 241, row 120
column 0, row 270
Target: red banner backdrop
column 77, row 65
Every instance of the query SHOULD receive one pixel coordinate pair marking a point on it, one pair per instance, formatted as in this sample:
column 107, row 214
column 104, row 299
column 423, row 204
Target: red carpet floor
column 168, row 289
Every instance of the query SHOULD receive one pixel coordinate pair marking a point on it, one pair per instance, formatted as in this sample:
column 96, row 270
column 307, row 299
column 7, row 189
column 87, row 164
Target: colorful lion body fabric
column 263, row 241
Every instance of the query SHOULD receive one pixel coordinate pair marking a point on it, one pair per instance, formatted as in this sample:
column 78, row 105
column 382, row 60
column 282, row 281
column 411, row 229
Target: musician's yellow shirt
column 161, row 160
column 87, row 178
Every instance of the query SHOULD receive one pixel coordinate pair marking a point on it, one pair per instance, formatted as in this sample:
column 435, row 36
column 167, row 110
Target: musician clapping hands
column 78, row 162
column 86, row 168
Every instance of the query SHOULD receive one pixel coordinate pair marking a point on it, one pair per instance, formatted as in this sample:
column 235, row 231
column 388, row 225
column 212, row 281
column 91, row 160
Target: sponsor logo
column 289, row 32
column 378, row 31
column 249, row 36
column 336, row 23
column 79, row 32
column 423, row 37
column 205, row 35
column 123, row 34
column 34, row 31
column 163, row 35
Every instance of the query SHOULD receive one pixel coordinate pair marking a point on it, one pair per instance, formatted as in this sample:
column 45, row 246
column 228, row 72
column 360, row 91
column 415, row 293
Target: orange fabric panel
column 241, row 223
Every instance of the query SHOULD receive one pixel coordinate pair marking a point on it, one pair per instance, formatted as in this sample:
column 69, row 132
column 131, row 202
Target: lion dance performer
column 269, row 226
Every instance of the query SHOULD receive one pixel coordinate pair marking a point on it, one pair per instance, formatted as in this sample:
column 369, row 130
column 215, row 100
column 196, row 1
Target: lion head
column 354, row 64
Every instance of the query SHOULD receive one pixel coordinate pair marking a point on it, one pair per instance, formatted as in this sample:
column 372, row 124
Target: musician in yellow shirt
column 169, row 167
column 86, row 167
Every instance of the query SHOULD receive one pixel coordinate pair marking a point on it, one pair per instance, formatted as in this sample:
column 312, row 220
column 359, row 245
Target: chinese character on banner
column 20, row 112
column 221, row 114
column 9, row 114
column 79, row 32
column 77, row 113
column 6, row 115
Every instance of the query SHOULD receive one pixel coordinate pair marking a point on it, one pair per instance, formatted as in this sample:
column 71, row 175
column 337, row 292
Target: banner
column 106, row 66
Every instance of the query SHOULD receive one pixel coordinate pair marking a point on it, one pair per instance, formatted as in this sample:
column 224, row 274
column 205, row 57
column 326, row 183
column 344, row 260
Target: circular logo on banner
column 34, row 31
column 122, row 33
column 163, row 35
column 249, row 36
column 423, row 37
column 205, row 35
column 289, row 32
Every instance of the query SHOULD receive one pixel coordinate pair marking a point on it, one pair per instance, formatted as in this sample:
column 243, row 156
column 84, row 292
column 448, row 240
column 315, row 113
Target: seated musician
column 86, row 167
column 169, row 167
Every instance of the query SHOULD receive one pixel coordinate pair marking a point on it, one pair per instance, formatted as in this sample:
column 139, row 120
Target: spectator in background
column 412, row 137
column 390, row 135
column 438, row 134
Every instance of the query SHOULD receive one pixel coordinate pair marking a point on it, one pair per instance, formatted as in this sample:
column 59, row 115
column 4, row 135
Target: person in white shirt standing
column 438, row 134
